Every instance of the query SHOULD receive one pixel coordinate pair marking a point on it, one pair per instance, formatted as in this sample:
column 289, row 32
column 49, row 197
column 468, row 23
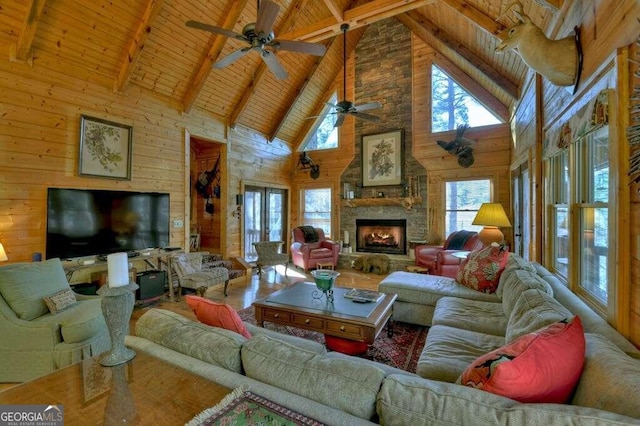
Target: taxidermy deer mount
column 560, row 61
column 461, row 147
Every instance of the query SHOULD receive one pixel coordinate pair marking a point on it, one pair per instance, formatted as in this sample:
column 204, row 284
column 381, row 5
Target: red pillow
column 482, row 268
column 543, row 366
column 217, row 314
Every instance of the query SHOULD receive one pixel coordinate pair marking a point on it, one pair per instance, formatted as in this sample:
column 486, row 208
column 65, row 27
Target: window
column 453, row 106
column 316, row 208
column 592, row 203
column 463, row 200
column 559, row 193
column 323, row 134
column 581, row 186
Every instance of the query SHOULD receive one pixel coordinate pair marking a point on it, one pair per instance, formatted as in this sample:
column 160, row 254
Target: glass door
column 264, row 217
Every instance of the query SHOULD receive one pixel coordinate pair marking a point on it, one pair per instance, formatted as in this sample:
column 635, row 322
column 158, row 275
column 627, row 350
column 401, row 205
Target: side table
column 324, row 265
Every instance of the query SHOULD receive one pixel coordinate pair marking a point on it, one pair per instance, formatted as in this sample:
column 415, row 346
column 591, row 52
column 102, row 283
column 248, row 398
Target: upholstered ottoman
column 419, row 293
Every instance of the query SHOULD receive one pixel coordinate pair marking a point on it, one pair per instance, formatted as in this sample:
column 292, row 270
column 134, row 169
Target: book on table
column 360, row 295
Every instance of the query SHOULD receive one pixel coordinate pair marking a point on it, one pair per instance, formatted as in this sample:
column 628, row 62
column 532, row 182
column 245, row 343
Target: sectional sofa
column 338, row 389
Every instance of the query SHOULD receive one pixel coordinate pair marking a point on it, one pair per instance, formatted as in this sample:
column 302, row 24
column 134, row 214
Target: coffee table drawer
column 275, row 316
column 308, row 322
column 346, row 330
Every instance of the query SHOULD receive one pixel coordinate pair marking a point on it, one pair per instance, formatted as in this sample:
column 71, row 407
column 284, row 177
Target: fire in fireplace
column 381, row 236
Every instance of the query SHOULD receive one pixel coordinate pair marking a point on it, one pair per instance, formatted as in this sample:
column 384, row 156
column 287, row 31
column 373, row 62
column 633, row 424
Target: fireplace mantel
column 406, row 202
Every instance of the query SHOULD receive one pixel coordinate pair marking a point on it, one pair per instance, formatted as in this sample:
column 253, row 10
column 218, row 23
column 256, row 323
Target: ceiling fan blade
column 316, row 49
column 272, row 62
column 232, row 57
column 368, row 106
column 367, row 117
column 340, row 120
column 267, row 14
column 214, row 29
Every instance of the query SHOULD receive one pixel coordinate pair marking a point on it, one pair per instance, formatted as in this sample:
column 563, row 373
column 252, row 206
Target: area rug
column 402, row 350
column 242, row 407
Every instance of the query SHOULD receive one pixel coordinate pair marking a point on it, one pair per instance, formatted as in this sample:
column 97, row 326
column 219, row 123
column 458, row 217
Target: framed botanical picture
column 105, row 149
column 382, row 158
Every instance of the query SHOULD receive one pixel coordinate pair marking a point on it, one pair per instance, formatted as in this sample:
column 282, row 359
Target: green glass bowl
column 324, row 278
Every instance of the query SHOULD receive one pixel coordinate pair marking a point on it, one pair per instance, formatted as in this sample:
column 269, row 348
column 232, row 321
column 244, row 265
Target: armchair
column 36, row 341
column 439, row 259
column 269, row 255
column 195, row 274
column 307, row 252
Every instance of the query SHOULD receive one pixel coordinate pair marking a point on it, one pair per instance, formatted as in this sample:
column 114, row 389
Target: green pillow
column 24, row 286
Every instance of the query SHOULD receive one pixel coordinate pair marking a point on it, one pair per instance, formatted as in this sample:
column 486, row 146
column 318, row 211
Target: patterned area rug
column 401, row 351
column 242, row 407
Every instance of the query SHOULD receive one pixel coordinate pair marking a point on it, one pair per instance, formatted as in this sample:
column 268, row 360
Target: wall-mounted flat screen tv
column 87, row 222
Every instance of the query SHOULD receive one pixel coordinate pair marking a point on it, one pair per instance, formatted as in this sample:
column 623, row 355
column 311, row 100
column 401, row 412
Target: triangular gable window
column 453, row 106
column 323, row 134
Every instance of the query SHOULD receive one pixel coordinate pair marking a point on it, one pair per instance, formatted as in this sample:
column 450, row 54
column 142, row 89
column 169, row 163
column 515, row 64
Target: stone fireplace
column 381, row 236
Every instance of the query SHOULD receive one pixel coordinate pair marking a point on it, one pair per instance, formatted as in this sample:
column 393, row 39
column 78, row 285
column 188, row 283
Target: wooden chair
column 269, row 255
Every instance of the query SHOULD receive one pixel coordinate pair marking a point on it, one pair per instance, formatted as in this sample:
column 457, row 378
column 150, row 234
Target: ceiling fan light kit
column 261, row 38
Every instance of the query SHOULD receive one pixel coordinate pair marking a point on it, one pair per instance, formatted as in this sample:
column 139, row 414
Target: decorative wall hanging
column 382, row 158
column 560, row 61
column 461, row 147
column 105, row 149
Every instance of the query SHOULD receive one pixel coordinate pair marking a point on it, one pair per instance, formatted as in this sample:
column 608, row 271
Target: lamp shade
column 492, row 214
column 3, row 254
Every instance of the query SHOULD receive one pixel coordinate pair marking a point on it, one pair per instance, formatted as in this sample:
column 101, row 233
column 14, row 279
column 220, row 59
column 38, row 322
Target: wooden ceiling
column 145, row 43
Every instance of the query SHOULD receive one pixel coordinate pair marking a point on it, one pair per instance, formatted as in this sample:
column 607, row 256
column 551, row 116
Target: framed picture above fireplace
column 382, row 158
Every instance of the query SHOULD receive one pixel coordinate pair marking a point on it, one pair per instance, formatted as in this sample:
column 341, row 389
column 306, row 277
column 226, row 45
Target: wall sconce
column 239, row 202
column 3, row 254
column 306, row 163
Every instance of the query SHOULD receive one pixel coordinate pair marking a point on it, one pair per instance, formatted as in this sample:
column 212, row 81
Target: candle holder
column 117, row 306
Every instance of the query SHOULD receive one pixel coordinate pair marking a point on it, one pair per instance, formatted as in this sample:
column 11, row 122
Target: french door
column 265, row 211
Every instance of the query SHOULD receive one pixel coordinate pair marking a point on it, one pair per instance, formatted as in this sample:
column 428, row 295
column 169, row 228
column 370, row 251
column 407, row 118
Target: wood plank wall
column 613, row 26
column 492, row 151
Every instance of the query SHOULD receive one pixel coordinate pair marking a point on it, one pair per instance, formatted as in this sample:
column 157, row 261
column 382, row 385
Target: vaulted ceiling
column 145, row 43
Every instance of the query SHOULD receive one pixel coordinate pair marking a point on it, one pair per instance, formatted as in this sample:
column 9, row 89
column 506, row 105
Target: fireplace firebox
column 381, row 236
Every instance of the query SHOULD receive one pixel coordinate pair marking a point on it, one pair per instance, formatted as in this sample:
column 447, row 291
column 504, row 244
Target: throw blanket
column 459, row 239
column 309, row 233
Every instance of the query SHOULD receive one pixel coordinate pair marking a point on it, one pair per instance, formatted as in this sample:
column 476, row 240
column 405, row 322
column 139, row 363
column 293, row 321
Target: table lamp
column 3, row 254
column 491, row 216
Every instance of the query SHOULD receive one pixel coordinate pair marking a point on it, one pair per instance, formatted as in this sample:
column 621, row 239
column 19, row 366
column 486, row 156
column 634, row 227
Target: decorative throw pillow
column 482, row 268
column 217, row 314
column 60, row 301
column 542, row 367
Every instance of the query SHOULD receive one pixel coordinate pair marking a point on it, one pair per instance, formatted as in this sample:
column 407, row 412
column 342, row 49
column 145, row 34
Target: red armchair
column 307, row 255
column 439, row 259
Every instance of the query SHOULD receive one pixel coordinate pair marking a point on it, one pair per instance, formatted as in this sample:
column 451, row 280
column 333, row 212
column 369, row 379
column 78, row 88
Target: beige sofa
column 338, row 389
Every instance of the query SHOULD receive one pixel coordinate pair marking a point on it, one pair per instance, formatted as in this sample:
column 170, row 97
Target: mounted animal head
column 559, row 61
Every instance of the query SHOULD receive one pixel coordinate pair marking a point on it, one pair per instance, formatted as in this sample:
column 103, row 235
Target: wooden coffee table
column 144, row 391
column 295, row 306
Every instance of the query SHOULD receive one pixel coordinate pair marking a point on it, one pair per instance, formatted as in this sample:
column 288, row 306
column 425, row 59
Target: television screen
column 86, row 222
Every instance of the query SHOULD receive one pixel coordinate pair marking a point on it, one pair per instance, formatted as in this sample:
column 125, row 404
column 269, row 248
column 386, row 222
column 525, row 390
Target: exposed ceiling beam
column 249, row 91
column 137, row 44
column 433, row 35
column 204, row 70
column 333, row 7
column 476, row 16
column 299, row 92
column 356, row 17
column 21, row 50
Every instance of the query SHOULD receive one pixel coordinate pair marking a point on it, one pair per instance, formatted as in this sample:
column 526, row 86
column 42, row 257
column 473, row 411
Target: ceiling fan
column 259, row 35
column 345, row 107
